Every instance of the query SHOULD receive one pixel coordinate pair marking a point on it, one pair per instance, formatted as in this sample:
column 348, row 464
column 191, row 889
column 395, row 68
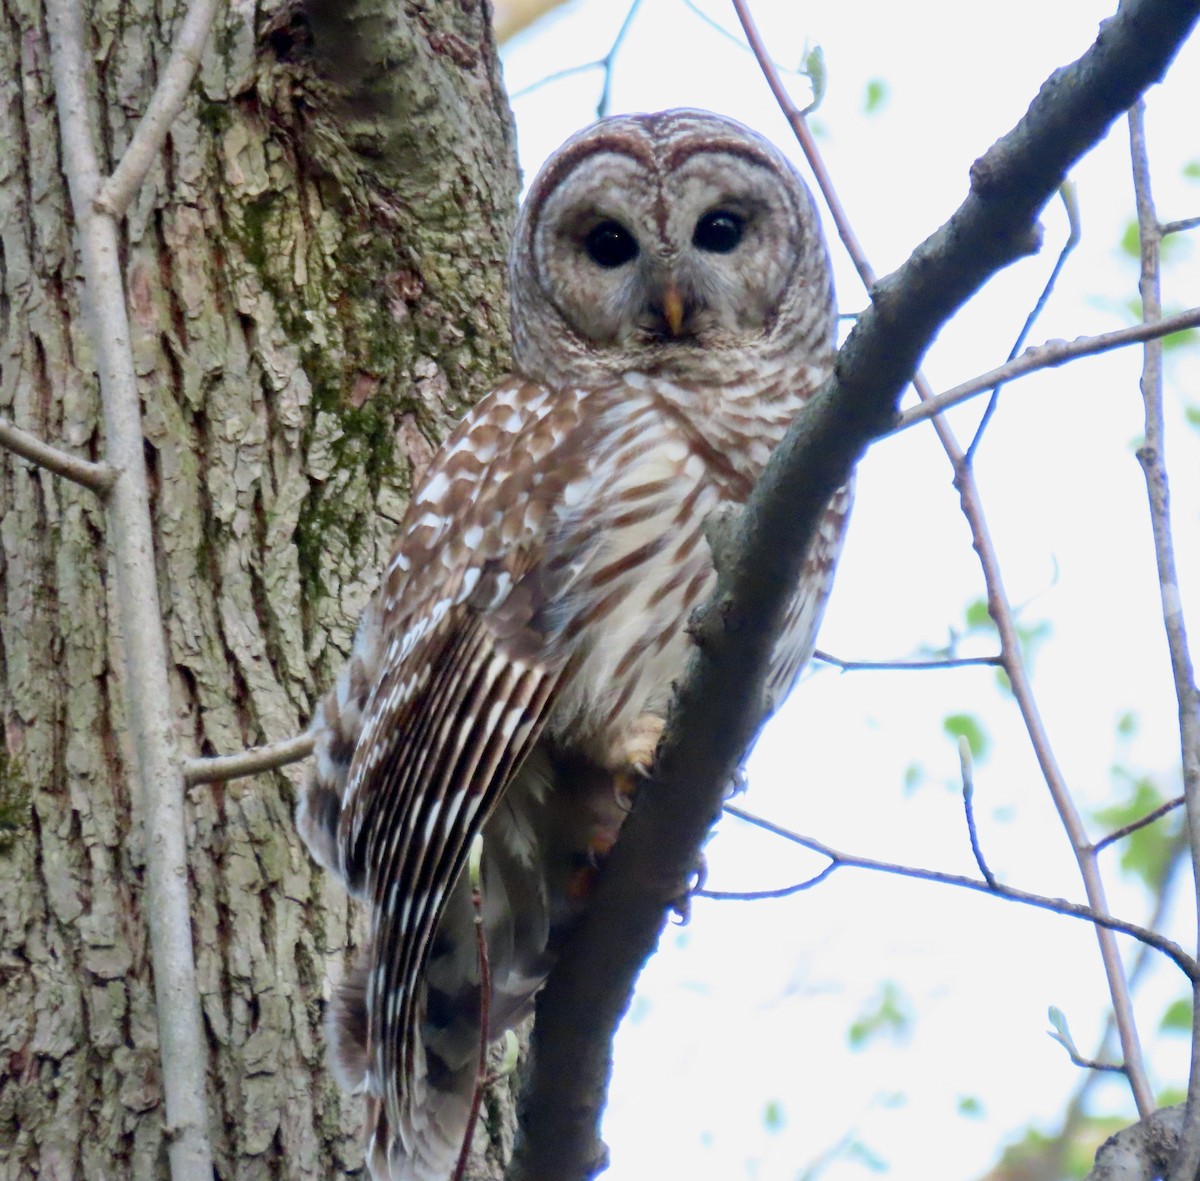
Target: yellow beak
column 672, row 304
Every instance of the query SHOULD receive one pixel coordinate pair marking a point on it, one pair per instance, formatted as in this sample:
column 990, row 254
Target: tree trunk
column 316, row 290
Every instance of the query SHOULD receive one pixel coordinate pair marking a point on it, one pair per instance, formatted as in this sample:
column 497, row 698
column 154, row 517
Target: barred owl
column 672, row 309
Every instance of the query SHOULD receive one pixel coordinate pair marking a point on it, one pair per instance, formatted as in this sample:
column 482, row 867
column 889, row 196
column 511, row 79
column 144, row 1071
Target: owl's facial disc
column 670, row 243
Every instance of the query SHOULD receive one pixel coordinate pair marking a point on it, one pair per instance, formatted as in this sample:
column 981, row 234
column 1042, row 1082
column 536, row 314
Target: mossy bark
column 313, row 300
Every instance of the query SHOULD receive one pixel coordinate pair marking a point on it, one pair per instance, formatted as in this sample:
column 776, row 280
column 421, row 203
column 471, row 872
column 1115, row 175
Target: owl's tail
column 419, row 1134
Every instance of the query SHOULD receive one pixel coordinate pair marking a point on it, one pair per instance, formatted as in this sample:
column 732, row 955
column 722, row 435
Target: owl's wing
column 463, row 686
column 798, row 636
column 456, row 718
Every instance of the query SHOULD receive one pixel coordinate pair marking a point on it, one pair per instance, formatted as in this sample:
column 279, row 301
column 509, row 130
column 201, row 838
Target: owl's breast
column 634, row 532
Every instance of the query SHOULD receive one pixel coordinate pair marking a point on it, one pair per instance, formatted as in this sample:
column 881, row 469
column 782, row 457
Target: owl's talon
column 682, row 906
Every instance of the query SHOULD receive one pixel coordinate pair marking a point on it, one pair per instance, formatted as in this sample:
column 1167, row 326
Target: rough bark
column 306, row 323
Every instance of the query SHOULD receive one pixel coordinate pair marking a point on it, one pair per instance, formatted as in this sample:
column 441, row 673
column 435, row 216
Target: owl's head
column 666, row 243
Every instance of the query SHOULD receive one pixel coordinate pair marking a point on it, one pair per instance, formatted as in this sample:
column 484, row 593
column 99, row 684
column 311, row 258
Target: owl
column 672, row 309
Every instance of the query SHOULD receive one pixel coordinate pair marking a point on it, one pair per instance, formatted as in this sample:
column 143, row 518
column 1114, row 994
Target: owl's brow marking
column 682, row 153
column 624, row 144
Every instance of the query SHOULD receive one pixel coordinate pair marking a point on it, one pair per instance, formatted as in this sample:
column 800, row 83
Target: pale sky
column 735, row 1061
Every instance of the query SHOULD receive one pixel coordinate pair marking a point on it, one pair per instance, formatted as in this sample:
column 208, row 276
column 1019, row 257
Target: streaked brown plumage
column 672, row 309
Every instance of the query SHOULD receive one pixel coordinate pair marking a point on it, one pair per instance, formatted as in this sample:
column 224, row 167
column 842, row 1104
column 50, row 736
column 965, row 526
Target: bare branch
column 1067, row 192
column 165, row 104
column 97, row 477
column 1150, row 817
column 849, row 666
column 968, row 796
column 717, row 709
column 989, row 186
column 1094, row 1064
column 177, row 998
column 840, row 860
column 269, row 757
column 1047, row 356
column 1177, row 227
column 1151, row 455
column 796, row 117
column 604, row 63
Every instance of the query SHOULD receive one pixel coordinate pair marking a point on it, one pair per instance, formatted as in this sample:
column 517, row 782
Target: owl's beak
column 672, row 307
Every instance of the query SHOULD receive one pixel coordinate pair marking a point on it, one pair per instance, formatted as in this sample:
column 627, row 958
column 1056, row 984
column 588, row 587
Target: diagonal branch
column 167, row 101
column 1152, row 458
column 1047, row 356
column 1145, row 935
column 177, row 998
column 998, row 604
column 758, row 557
column 96, row 476
column 268, row 757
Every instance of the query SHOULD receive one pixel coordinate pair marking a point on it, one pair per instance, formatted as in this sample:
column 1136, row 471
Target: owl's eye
column 610, row 245
column 719, row 232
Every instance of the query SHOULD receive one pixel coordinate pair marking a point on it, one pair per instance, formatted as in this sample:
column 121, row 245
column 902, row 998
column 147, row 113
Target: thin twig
column 269, row 757
column 1047, row 356
column 604, row 63
column 1093, row 1063
column 999, row 607
column 968, row 796
column 165, row 104
column 97, row 477
column 840, row 860
column 1177, row 227
column 1067, row 192
column 1151, row 455
column 182, row 1048
column 1150, row 817
column 848, row 666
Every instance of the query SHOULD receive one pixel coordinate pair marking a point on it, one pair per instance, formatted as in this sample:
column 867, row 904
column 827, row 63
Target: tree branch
column 269, row 757
column 839, row 860
column 1140, row 1152
column 165, row 104
column 97, row 477
column 1141, row 822
column 1047, row 356
column 1152, row 458
column 177, row 998
column 852, row 666
column 998, row 605
column 718, row 708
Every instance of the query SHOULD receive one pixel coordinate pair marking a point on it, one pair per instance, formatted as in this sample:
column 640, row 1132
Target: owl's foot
column 641, row 743
column 635, row 759
column 682, row 906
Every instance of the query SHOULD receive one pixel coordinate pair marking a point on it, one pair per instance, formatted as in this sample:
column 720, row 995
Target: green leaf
column 977, row 614
column 1127, row 724
column 1178, row 1017
column 970, row 1106
column 969, row 727
column 1131, row 242
column 1192, row 170
column 1181, row 339
column 1192, row 414
column 814, row 69
column 913, row 774
column 773, row 1117
column 889, row 1014
column 877, row 96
